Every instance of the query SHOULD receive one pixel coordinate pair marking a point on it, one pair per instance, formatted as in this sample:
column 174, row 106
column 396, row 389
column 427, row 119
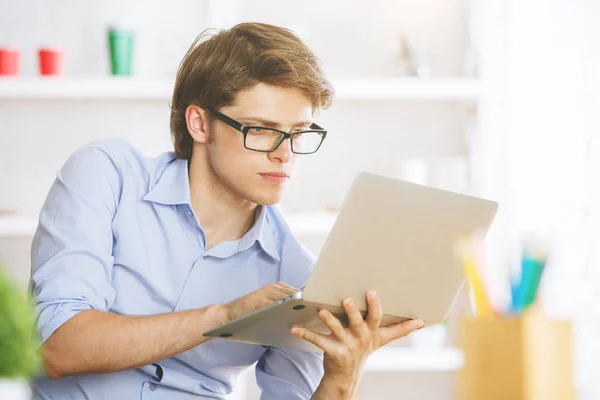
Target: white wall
column 588, row 314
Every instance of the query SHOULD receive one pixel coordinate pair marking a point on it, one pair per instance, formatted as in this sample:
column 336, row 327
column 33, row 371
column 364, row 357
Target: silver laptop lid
column 398, row 238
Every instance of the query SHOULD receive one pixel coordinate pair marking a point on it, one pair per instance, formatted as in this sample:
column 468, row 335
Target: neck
column 222, row 215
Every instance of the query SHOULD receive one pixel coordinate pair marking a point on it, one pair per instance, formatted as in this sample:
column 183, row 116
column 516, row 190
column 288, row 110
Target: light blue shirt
column 117, row 233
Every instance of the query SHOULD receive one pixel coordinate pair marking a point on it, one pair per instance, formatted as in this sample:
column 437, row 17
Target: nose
column 283, row 153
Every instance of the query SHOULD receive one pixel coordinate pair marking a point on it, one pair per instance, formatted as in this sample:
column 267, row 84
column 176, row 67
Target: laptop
column 390, row 235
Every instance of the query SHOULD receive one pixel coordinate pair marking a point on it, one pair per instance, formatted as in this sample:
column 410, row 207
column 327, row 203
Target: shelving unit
column 430, row 114
column 119, row 88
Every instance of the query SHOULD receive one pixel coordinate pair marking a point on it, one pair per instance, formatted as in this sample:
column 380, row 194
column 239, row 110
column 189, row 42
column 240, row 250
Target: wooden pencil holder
column 516, row 358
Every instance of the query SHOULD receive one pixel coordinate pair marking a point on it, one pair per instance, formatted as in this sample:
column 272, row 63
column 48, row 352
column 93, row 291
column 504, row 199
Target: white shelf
column 129, row 88
column 17, row 226
column 413, row 89
column 109, row 88
column 398, row 359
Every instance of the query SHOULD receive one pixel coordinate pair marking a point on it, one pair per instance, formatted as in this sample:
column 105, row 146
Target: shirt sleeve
column 288, row 374
column 71, row 254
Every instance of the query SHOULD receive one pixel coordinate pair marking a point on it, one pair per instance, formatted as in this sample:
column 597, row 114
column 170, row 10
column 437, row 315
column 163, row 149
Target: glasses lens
column 261, row 139
column 306, row 142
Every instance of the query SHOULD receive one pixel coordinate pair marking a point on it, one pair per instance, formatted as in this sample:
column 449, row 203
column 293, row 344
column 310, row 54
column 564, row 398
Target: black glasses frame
column 243, row 129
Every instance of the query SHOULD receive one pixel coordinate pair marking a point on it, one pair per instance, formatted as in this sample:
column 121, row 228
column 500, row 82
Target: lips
column 275, row 177
column 278, row 174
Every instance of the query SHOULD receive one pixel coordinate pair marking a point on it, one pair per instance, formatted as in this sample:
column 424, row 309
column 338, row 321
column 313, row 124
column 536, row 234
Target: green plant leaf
column 19, row 343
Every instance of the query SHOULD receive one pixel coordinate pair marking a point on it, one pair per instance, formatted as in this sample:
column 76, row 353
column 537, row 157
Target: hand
column 257, row 299
column 346, row 349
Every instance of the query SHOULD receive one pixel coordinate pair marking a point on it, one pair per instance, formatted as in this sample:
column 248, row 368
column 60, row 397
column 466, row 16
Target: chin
column 266, row 198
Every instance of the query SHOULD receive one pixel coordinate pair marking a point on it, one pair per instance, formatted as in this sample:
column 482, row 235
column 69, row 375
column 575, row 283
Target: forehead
column 272, row 102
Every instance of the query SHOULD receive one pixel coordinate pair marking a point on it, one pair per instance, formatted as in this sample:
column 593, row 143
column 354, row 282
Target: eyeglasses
column 267, row 140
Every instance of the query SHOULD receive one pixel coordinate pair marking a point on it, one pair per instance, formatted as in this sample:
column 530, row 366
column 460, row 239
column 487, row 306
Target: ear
column 196, row 119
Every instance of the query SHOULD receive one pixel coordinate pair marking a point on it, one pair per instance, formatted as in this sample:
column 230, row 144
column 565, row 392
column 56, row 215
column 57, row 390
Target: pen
column 525, row 294
column 482, row 305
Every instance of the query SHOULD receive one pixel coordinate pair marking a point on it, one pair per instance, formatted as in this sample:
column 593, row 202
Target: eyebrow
column 269, row 123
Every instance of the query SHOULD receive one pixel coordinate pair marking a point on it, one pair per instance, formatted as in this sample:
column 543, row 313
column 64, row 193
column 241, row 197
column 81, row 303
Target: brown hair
column 214, row 71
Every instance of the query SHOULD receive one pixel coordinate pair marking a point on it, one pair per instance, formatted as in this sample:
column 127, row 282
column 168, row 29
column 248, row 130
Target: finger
column 321, row 341
column 262, row 302
column 375, row 313
column 357, row 324
column 333, row 324
column 399, row 330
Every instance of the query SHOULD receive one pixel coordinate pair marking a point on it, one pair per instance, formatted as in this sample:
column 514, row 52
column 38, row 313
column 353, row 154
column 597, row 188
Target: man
column 135, row 258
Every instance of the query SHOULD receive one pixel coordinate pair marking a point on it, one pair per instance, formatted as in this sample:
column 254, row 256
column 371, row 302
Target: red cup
column 9, row 62
column 51, row 62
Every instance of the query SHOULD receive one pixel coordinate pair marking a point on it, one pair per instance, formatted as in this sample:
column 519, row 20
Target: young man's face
column 250, row 175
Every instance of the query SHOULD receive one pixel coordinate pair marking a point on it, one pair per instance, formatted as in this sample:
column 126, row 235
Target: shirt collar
column 173, row 187
column 261, row 232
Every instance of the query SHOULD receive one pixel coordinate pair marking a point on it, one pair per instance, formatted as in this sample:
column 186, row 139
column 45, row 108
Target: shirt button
column 205, row 257
column 153, row 387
